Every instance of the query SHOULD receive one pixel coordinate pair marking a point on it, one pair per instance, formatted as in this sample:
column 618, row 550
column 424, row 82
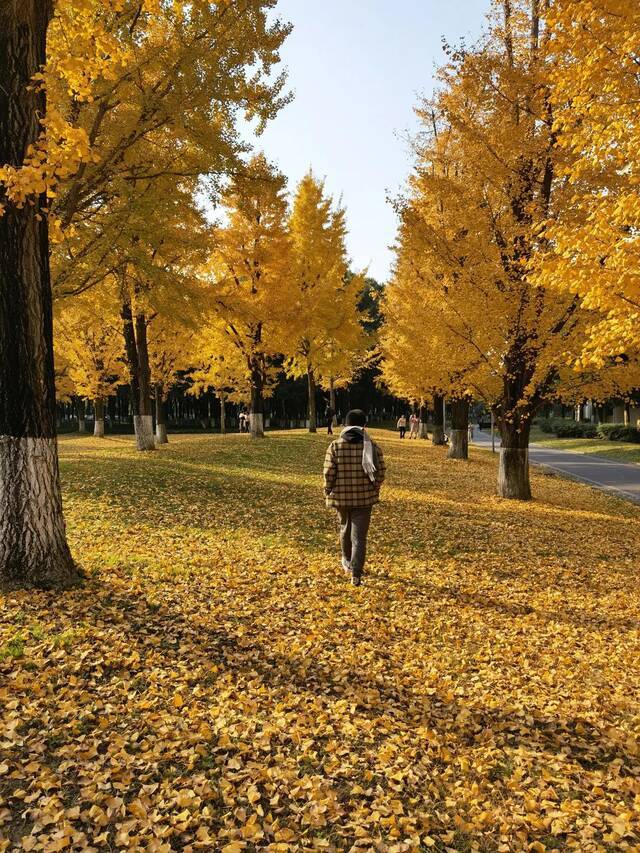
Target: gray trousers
column 354, row 526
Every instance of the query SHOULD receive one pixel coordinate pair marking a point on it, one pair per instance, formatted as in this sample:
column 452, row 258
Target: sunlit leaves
column 219, row 685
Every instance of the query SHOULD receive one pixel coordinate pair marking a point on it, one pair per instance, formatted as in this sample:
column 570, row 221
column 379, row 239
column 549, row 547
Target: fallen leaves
column 220, row 686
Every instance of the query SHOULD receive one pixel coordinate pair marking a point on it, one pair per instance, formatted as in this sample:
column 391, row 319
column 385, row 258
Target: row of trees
column 273, row 294
column 516, row 269
column 118, row 127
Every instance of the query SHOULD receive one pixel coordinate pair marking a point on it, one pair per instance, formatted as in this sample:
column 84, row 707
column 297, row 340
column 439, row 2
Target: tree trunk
column 513, row 470
column 332, row 399
column 144, row 431
column 33, row 545
column 459, row 443
column 256, row 409
column 424, row 417
column 161, row 416
column 98, row 424
column 438, row 419
column 313, row 418
column 223, row 412
column 82, row 413
column 135, row 339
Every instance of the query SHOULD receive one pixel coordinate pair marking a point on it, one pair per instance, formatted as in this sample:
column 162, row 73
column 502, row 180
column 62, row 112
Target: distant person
column 329, row 414
column 244, row 422
column 354, row 470
column 401, row 426
column 414, row 423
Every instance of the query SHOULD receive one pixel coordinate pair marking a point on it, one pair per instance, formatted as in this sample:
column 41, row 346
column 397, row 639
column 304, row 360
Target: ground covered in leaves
column 217, row 684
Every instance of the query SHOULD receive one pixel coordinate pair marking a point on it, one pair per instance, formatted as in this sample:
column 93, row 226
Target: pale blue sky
column 357, row 68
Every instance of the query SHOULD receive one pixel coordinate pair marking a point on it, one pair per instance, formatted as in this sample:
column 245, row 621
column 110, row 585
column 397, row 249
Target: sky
column 357, row 68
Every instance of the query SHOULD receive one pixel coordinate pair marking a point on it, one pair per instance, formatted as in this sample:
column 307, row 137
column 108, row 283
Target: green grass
column 618, row 451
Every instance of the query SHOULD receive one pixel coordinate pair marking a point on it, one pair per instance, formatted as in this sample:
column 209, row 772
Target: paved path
column 620, row 478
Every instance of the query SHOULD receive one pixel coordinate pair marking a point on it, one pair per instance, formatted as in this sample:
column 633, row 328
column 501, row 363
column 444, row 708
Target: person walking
column 329, row 416
column 402, row 425
column 354, row 471
column 414, row 423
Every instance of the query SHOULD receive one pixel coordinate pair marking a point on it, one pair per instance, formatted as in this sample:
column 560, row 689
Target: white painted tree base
column 143, row 426
column 256, row 424
column 82, row 425
column 458, row 444
column 98, row 428
column 161, row 434
column 33, row 544
column 422, row 431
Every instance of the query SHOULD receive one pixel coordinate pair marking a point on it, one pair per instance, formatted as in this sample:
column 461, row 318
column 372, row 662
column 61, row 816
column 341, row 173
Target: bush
column 619, row 432
column 567, row 428
column 574, row 429
column 546, row 424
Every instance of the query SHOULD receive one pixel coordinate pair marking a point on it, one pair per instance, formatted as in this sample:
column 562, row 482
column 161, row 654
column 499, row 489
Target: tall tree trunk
column 313, row 417
column 438, row 419
column 82, row 414
column 135, row 339
column 332, row 398
column 256, row 410
column 513, row 470
column 161, row 415
column 33, row 545
column 144, row 428
column 98, row 424
column 223, row 412
column 424, row 418
column 459, row 443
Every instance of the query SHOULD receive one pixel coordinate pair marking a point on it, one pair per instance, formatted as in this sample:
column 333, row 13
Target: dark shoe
column 356, row 580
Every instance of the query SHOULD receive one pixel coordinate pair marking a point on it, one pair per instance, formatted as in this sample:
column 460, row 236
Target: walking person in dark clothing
column 329, row 415
column 354, row 471
column 401, row 426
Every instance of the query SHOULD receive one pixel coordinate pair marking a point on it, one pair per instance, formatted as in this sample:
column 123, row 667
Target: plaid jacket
column 345, row 483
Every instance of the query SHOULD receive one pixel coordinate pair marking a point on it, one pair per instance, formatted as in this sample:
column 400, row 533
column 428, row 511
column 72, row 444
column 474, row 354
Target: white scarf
column 368, row 464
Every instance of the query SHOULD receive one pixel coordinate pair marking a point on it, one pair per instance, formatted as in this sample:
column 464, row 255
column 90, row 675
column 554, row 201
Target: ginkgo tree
column 483, row 189
column 596, row 240
column 129, row 92
column 250, row 273
column 421, row 360
column 170, row 346
column 322, row 326
column 33, row 545
column 219, row 365
column 162, row 111
column 90, row 348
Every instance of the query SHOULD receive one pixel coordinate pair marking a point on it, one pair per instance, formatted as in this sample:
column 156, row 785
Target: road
column 619, row 478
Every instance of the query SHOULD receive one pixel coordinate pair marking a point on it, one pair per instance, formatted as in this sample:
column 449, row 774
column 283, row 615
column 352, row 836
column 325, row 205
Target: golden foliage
column 597, row 120
column 478, row 227
column 217, row 685
column 323, row 335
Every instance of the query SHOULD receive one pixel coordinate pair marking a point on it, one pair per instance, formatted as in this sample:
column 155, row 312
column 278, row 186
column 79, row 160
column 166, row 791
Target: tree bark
column 82, row 412
column 332, row 399
column 313, row 417
column 98, row 424
column 459, row 443
column 161, row 415
column 513, row 470
column 438, row 420
column 256, row 409
column 33, row 545
column 424, row 418
column 137, row 354
column 223, row 412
